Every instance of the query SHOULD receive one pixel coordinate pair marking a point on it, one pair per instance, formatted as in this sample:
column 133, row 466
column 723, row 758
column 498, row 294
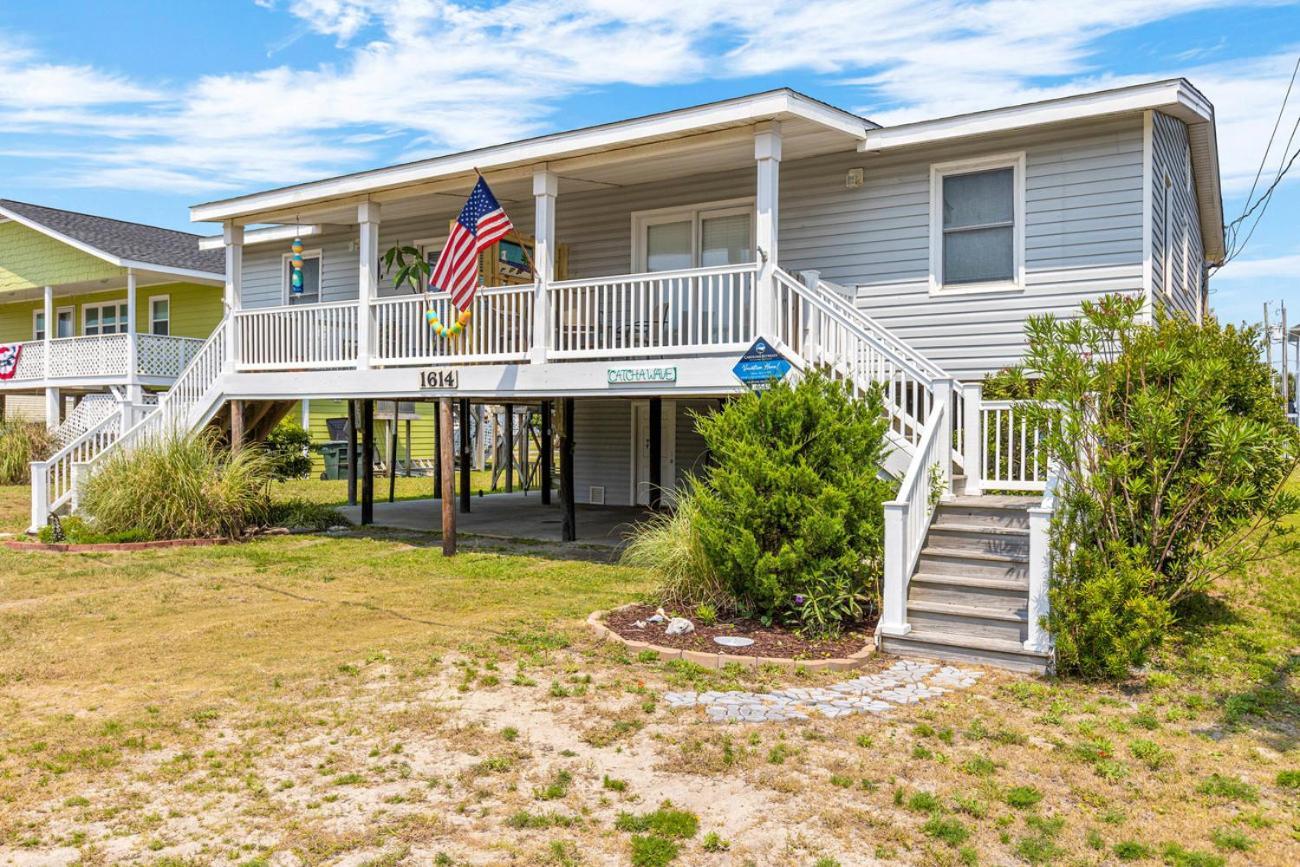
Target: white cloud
column 417, row 76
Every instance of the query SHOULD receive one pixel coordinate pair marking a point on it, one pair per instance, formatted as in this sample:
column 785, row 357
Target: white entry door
column 641, row 452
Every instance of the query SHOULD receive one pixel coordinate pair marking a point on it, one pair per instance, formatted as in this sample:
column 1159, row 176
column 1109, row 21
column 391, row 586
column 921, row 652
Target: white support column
column 40, row 495
column 1040, row 573
column 767, row 154
column 233, row 236
column 368, row 273
column 944, row 391
column 894, row 615
column 53, row 399
column 812, row 348
column 545, row 188
column 973, row 438
column 133, row 391
column 51, row 394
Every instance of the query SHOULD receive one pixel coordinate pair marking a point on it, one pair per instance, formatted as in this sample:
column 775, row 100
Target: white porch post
column 545, row 188
column 943, row 400
column 51, row 394
column 133, row 394
column 368, row 269
column 767, row 153
column 233, row 236
column 893, row 619
column 973, row 438
column 1040, row 572
column 40, row 495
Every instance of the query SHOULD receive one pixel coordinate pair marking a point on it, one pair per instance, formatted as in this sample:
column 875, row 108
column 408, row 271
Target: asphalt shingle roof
column 130, row 241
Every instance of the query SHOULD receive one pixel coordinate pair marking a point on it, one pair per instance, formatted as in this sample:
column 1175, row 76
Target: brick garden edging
column 718, row 660
column 86, row 547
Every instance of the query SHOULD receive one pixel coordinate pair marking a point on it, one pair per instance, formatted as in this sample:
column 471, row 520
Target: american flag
column 481, row 223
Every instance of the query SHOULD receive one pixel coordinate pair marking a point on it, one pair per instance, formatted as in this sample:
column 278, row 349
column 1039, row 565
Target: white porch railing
column 298, row 337
column 659, row 313
column 104, row 355
column 908, row 516
column 500, row 328
column 1014, row 455
column 1040, row 565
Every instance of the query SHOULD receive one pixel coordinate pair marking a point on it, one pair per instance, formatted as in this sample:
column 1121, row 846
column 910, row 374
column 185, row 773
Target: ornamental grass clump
column 22, row 442
column 669, row 544
column 1172, row 447
column 181, row 487
column 789, row 511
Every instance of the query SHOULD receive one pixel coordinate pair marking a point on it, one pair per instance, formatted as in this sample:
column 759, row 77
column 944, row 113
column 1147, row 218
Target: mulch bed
column 771, row 641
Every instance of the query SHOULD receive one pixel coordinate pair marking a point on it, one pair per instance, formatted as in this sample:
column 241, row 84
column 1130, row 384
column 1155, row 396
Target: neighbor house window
column 110, row 318
column 311, row 271
column 718, row 233
column 160, row 315
column 977, row 224
column 38, row 325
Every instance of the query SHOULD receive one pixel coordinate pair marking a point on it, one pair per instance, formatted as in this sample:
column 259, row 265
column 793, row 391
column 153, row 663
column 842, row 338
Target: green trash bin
column 335, row 455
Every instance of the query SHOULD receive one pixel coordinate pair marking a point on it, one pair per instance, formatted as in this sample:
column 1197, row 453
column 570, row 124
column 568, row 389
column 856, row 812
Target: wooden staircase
column 968, row 597
column 260, row 418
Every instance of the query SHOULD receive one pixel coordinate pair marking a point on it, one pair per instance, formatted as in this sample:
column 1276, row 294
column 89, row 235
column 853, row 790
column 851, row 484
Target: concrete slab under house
column 648, row 255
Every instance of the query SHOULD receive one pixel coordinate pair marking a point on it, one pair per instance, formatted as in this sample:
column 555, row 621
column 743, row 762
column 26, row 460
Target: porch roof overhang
column 715, row 136
column 1175, row 97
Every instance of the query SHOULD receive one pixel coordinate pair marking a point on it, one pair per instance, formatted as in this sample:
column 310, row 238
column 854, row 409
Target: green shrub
column 22, row 442
column 669, row 545
column 78, row 532
column 1172, row 448
column 287, row 446
column 789, row 512
column 179, row 488
column 296, row 512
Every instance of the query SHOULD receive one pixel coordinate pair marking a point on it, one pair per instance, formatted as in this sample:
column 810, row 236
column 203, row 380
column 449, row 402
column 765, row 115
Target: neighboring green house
column 102, row 308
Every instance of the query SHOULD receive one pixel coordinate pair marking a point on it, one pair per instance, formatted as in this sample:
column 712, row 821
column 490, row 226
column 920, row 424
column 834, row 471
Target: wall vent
column 596, row 495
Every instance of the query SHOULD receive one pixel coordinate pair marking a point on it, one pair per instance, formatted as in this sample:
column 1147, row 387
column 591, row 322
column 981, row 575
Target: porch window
column 62, row 323
column 110, row 318
column 977, row 224
column 160, row 315
column 717, row 233
column 311, row 271
column 38, row 325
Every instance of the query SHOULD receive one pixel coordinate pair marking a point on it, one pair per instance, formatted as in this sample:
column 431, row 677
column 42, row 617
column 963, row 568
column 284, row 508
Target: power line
column 1263, row 159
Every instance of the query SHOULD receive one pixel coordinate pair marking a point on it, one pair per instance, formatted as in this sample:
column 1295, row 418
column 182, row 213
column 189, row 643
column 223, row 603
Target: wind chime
column 295, row 267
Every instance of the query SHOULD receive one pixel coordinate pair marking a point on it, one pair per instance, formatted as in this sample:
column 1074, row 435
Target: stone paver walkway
column 904, row 682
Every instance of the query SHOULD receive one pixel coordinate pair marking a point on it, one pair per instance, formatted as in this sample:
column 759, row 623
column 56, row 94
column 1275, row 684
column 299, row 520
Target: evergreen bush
column 288, row 448
column 789, row 512
column 1173, row 448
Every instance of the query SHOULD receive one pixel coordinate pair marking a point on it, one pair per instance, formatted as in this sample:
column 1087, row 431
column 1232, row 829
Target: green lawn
column 335, row 492
column 15, row 508
column 315, row 699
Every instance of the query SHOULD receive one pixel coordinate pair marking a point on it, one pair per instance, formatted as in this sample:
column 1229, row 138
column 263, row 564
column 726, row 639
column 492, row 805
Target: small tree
column 1172, row 449
column 287, row 448
column 790, row 509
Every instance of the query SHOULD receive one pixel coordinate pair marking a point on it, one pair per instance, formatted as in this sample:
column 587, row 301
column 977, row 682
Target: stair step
column 1010, row 655
column 974, row 583
column 941, row 551
column 964, row 620
column 1009, row 541
column 968, row 511
column 1011, row 613
column 972, row 564
column 950, row 525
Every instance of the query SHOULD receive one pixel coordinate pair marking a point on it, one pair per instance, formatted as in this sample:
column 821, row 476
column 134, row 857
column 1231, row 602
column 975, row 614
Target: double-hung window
column 311, row 273
column 160, row 315
column 720, row 233
column 977, row 225
column 107, row 318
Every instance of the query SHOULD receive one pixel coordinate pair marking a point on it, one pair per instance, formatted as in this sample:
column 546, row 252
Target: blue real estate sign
column 761, row 365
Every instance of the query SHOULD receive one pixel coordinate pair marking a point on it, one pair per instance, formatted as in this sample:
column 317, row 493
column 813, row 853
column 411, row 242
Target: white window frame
column 117, row 306
column 39, row 313
column 284, row 275
column 938, row 171
column 152, row 320
column 696, row 214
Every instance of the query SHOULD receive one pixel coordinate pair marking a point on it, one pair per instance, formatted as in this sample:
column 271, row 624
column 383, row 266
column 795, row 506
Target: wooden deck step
column 985, row 651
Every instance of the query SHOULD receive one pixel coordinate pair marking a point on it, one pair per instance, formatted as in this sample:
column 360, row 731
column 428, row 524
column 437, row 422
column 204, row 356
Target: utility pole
column 1286, row 383
column 1268, row 340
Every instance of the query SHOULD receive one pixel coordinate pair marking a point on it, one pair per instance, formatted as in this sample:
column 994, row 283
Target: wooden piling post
column 352, row 452
column 547, row 450
column 570, row 528
column 464, row 454
column 446, row 477
column 367, row 462
column 236, row 425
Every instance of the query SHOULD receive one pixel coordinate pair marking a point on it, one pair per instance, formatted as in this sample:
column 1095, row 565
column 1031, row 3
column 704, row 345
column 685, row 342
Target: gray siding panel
column 1175, row 217
column 602, row 450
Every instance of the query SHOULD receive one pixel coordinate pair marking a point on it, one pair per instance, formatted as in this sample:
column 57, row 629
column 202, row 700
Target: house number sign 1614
column 439, row 377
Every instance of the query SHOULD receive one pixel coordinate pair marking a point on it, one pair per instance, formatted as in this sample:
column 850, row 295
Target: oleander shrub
column 288, row 445
column 22, row 442
column 789, row 511
column 180, row 487
column 1173, row 448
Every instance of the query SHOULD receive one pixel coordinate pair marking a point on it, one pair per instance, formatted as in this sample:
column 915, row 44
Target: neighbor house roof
column 127, row 245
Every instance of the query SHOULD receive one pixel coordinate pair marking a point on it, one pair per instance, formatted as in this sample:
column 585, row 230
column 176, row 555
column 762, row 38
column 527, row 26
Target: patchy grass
column 361, row 699
column 334, row 492
column 15, row 508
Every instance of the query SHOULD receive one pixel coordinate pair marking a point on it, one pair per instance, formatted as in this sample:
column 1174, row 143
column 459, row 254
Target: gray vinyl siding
column 692, row 454
column 602, row 450
column 1083, row 235
column 1181, row 258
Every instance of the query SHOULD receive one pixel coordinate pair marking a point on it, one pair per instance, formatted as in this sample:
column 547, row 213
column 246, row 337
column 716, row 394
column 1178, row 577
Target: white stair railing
column 90, row 411
column 1040, row 565
column 908, row 516
column 52, row 478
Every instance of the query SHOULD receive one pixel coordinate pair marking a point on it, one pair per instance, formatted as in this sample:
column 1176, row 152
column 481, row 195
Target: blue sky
column 140, row 108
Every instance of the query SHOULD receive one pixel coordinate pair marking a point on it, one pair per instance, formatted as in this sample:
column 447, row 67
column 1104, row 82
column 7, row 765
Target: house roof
column 128, row 245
